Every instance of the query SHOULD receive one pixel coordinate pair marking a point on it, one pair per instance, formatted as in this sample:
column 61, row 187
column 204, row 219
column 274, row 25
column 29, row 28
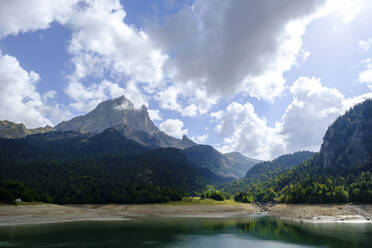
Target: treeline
column 152, row 177
column 311, row 184
column 12, row 190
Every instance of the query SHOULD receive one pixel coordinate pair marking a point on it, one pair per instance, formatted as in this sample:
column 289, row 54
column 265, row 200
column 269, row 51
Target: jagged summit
column 133, row 123
column 187, row 142
column 118, row 111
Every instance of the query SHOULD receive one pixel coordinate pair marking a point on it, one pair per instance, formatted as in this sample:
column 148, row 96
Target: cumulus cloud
column 313, row 108
column 229, row 46
column 19, row 16
column 87, row 98
column 19, row 99
column 200, row 139
column 365, row 45
column 347, row 10
column 173, row 127
column 366, row 75
column 243, row 130
column 102, row 41
column 154, row 115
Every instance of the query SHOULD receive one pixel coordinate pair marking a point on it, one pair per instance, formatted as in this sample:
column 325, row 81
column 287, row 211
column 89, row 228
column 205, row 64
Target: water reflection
column 188, row 232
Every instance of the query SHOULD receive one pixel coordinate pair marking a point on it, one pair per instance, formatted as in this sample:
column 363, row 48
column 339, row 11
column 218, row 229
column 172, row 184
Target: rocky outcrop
column 347, row 143
column 108, row 114
column 132, row 123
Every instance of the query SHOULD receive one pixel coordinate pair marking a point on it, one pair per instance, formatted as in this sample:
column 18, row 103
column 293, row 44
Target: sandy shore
column 51, row 213
column 321, row 213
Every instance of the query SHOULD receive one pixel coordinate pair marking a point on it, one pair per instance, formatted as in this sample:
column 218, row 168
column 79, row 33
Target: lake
column 261, row 231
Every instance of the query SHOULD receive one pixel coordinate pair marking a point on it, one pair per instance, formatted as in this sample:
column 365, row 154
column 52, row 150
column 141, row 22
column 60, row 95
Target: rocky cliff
column 133, row 123
column 347, row 143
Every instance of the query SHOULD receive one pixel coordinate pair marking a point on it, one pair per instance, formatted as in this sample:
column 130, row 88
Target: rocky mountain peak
column 122, row 103
column 186, row 142
column 118, row 111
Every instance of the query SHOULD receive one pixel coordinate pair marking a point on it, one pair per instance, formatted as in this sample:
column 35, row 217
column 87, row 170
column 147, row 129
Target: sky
column 263, row 78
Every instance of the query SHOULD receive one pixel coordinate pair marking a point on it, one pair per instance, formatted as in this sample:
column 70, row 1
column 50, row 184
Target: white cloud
column 173, row 127
column 49, row 95
column 366, row 75
column 365, row 45
column 302, row 126
column 154, row 115
column 213, row 52
column 190, row 110
column 200, row 139
column 19, row 16
column 243, row 130
column 102, row 41
column 347, row 10
column 87, row 98
column 217, row 115
column 19, row 99
column 167, row 98
column 312, row 110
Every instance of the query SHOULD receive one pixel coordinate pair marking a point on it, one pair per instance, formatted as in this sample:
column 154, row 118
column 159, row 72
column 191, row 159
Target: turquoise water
column 188, row 232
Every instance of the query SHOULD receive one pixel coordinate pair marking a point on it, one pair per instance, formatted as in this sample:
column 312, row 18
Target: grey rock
column 132, row 123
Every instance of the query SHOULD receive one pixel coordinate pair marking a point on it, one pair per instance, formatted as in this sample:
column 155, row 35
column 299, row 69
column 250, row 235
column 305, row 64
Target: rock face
column 132, row 123
column 347, row 143
column 11, row 130
column 108, row 114
column 241, row 163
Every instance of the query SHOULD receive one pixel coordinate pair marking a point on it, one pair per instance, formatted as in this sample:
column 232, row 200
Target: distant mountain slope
column 340, row 172
column 69, row 144
column 131, row 122
column 231, row 165
column 269, row 169
column 10, row 130
column 74, row 167
column 241, row 163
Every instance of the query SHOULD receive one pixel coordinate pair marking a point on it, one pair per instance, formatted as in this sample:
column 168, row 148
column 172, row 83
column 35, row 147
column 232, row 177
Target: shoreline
column 302, row 213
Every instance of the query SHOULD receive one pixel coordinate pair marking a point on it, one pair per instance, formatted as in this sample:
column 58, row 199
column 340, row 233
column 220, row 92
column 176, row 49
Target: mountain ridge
column 121, row 114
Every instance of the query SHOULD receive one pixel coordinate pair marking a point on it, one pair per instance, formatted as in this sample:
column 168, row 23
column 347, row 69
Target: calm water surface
column 190, row 232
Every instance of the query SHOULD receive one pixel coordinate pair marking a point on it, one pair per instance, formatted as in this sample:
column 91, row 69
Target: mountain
column 11, row 130
column 340, row 172
column 347, row 144
column 158, row 175
column 133, row 123
column 74, row 167
column 240, row 162
column 69, row 144
column 232, row 165
column 269, row 169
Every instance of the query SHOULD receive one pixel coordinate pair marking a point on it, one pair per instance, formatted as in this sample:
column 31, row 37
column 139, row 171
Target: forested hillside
column 70, row 167
column 340, row 172
column 264, row 171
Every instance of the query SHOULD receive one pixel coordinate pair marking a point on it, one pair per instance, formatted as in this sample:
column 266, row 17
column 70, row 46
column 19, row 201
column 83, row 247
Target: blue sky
column 263, row 78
